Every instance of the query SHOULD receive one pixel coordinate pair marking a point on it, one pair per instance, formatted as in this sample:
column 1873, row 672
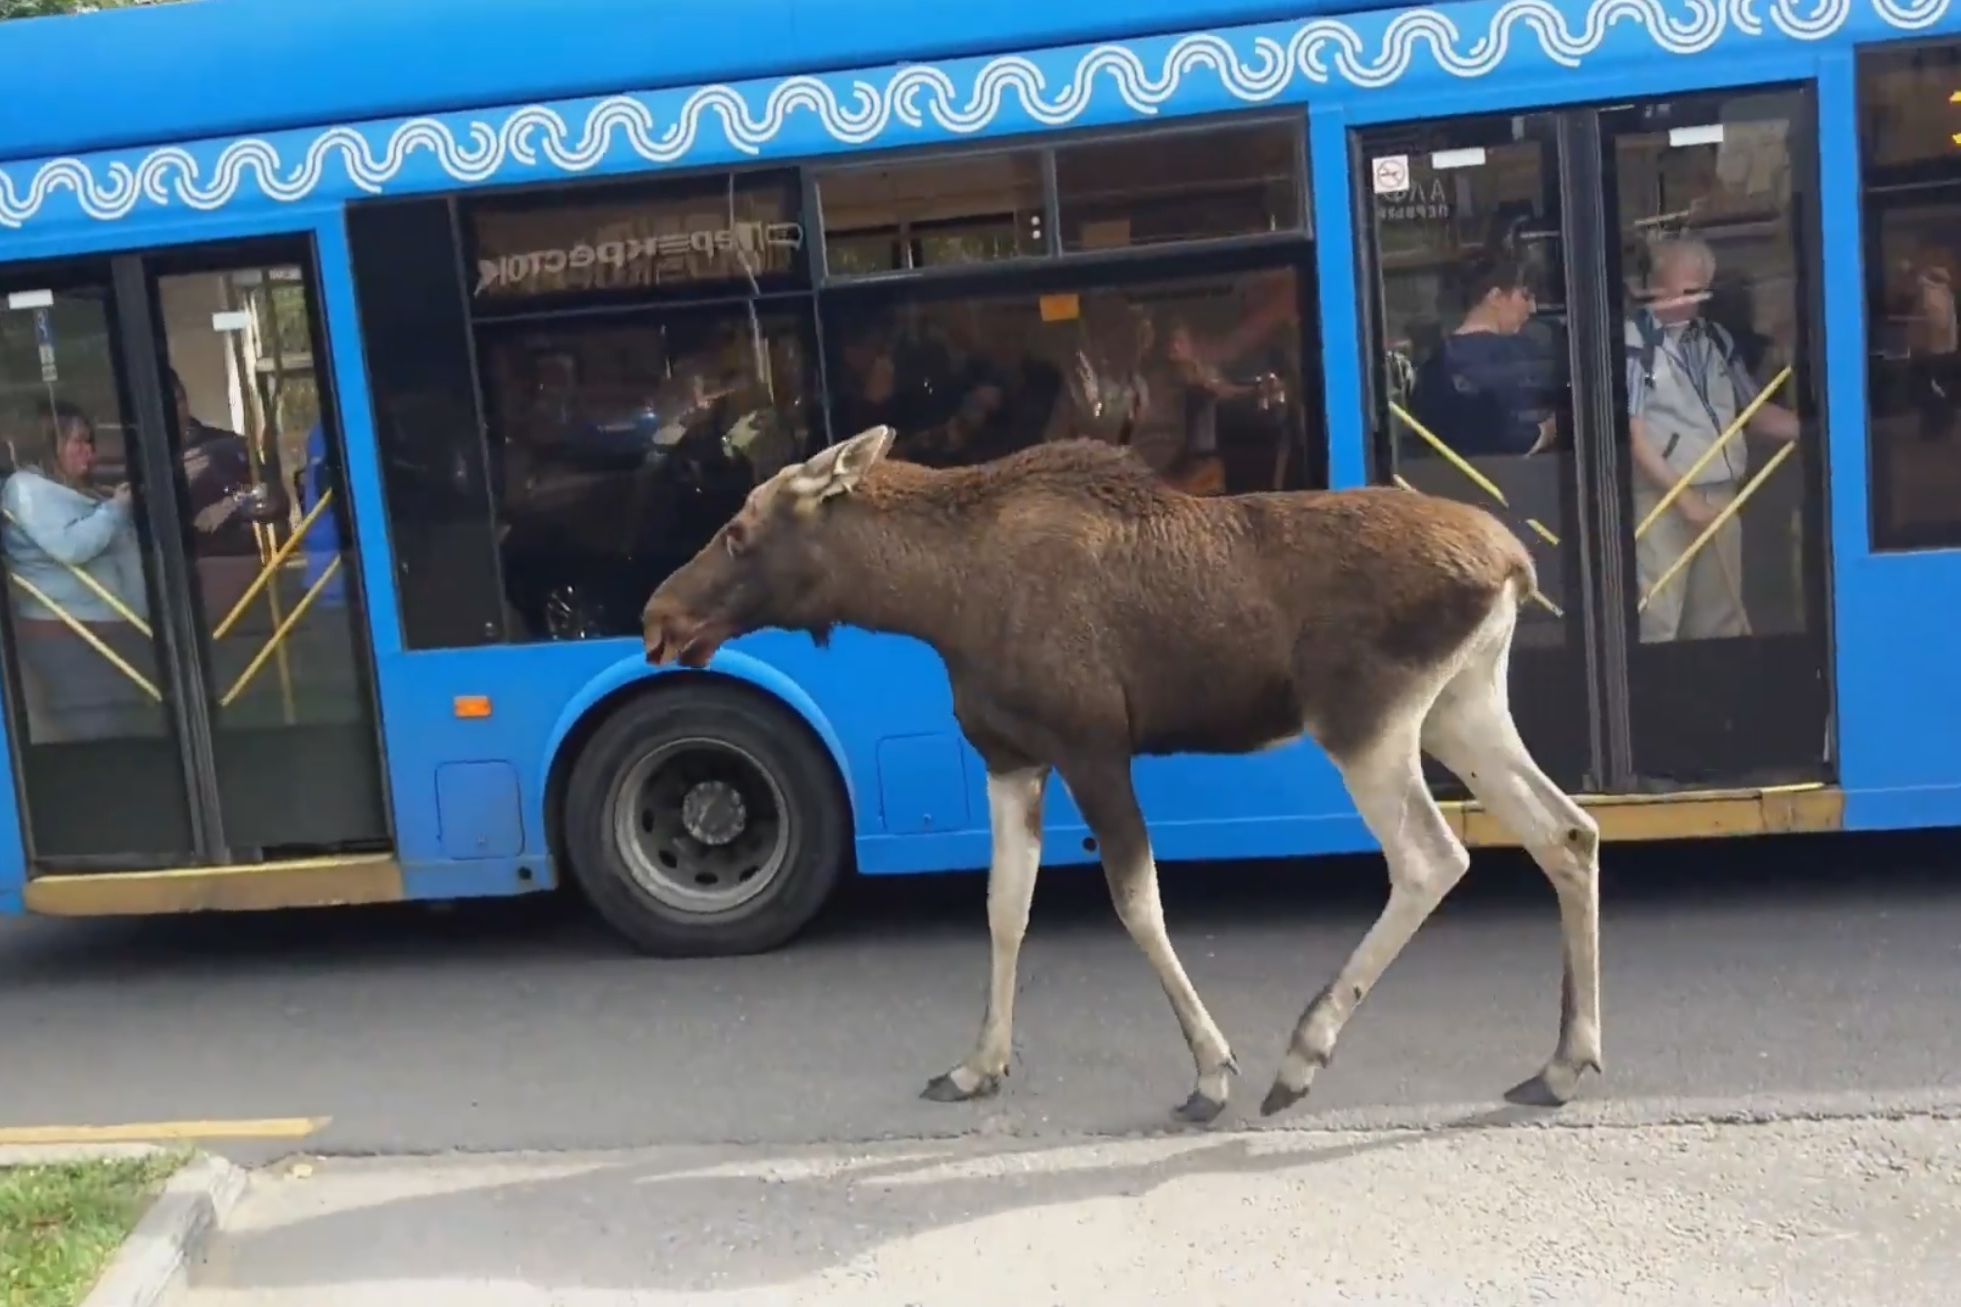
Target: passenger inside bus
column 1484, row 389
column 59, row 527
column 225, row 500
column 950, row 383
column 1200, row 381
column 1686, row 383
column 1922, row 300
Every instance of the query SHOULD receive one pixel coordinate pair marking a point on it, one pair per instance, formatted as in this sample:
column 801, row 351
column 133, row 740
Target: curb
column 152, row 1265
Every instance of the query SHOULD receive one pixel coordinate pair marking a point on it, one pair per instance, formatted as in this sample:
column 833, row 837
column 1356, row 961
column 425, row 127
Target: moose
column 1088, row 613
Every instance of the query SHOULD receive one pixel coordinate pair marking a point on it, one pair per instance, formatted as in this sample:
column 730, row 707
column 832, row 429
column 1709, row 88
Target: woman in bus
column 58, row 525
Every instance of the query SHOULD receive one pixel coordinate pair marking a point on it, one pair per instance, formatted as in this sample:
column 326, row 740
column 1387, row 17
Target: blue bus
column 364, row 366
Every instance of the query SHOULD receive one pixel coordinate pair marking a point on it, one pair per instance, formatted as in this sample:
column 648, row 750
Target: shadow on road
column 1709, row 875
column 691, row 1223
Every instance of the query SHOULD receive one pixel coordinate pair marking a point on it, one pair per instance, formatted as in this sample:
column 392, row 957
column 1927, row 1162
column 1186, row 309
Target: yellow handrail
column 279, row 635
column 1742, row 419
column 279, row 556
column 93, row 640
column 1456, row 460
column 1716, row 524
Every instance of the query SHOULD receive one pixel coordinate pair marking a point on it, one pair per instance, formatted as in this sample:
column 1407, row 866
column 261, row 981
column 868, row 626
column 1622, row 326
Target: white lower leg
column 1426, row 860
column 1014, row 803
column 1576, row 880
column 1471, row 731
column 1134, row 891
column 1419, row 885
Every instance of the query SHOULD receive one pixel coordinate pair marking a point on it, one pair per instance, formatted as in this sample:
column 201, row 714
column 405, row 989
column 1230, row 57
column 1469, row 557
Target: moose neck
column 904, row 563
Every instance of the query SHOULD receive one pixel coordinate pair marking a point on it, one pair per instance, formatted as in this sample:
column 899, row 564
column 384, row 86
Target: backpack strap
column 1650, row 333
column 1644, row 352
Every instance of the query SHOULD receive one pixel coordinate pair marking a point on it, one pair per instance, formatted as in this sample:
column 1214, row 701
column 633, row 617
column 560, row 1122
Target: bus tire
column 705, row 823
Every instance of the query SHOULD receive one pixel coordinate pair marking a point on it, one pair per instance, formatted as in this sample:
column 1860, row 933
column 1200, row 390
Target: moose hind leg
column 1470, row 730
column 1014, row 811
column 1426, row 860
column 1109, row 804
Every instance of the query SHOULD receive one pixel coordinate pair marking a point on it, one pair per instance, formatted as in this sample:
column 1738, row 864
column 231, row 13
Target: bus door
column 1598, row 323
column 188, row 682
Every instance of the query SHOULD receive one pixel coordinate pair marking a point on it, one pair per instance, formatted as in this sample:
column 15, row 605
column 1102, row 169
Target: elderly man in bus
column 1685, row 386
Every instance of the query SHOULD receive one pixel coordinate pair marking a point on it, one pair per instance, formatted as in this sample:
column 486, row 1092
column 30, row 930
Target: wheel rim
column 703, row 826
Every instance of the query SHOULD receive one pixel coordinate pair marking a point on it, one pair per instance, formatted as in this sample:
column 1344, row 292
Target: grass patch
column 61, row 1225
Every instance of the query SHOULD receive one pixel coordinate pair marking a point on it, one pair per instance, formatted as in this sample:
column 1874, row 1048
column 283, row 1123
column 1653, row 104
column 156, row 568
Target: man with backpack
column 1685, row 386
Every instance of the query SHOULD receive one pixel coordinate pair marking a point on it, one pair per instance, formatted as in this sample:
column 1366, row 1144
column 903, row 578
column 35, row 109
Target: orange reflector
column 472, row 705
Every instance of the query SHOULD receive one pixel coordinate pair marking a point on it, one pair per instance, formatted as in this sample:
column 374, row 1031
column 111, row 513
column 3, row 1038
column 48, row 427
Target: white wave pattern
column 1320, row 50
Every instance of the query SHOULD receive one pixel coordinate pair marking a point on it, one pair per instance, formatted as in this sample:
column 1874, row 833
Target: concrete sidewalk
column 1831, row 1211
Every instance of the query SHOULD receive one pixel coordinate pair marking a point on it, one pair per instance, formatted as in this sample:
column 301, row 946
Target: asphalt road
column 1788, row 968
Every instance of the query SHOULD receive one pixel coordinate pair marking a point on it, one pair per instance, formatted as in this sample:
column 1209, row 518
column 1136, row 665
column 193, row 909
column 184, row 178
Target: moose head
column 771, row 565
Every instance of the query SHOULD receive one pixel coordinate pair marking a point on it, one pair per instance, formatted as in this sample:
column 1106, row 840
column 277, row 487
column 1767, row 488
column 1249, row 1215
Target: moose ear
column 839, row 469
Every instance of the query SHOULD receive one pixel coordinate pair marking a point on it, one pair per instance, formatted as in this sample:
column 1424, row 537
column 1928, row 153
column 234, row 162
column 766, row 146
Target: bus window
column 1201, row 375
column 626, row 441
column 269, row 540
column 1909, row 124
column 1723, row 441
column 1472, row 322
column 423, row 390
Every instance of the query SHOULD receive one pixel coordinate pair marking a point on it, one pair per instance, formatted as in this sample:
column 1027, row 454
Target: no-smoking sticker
column 1391, row 173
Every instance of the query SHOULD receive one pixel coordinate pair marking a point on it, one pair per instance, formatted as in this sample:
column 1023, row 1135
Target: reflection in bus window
column 623, row 444
column 1171, row 186
column 935, row 213
column 1201, row 376
column 1709, row 322
column 76, row 569
column 624, row 243
column 1908, row 124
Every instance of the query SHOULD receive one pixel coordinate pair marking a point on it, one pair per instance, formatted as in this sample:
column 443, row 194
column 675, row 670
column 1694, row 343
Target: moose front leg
column 1109, row 804
column 1014, row 811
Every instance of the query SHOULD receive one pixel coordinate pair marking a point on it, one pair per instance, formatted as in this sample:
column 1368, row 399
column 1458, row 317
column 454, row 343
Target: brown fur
column 1078, row 601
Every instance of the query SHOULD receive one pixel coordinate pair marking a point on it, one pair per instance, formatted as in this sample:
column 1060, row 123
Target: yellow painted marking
column 293, row 1127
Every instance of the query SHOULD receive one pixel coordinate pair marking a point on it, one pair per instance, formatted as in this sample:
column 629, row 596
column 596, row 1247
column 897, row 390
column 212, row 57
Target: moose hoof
column 1552, row 1087
column 945, row 1089
column 1280, row 1098
column 1198, row 1109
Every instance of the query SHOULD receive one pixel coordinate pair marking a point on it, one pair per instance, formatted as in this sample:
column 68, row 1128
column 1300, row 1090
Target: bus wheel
column 704, row 823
